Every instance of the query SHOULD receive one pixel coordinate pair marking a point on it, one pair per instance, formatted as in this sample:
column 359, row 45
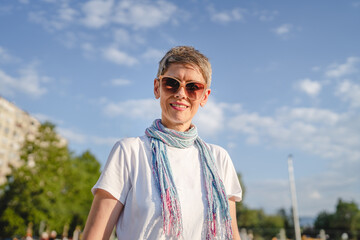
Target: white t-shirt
column 128, row 177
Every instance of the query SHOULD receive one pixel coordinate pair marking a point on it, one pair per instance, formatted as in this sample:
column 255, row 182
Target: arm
column 104, row 213
column 234, row 226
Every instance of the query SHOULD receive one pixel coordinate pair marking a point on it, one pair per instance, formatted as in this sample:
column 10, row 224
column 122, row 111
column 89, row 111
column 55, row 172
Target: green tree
column 255, row 220
column 84, row 173
column 270, row 226
column 355, row 226
column 250, row 218
column 240, row 205
column 288, row 221
column 51, row 186
column 346, row 219
column 262, row 225
column 323, row 220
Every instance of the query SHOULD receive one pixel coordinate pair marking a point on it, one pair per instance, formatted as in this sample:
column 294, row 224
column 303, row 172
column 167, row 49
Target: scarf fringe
column 219, row 231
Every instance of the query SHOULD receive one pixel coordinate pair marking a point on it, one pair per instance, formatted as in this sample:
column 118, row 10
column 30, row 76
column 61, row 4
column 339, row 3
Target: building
column 15, row 126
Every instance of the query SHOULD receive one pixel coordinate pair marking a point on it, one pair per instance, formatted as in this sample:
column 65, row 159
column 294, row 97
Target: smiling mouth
column 178, row 105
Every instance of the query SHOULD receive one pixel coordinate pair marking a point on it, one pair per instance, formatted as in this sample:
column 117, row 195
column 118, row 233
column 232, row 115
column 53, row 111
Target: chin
column 180, row 120
column 175, row 121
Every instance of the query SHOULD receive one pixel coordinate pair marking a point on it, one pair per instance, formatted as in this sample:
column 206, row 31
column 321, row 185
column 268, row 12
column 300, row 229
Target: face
column 177, row 109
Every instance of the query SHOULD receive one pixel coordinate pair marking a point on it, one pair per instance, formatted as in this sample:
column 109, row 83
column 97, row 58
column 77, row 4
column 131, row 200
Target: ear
column 157, row 88
column 205, row 97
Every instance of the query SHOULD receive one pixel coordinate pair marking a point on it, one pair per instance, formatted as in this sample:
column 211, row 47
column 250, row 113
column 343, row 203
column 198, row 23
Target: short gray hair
column 186, row 55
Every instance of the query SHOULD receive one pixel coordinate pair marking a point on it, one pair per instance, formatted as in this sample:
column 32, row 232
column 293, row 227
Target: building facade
column 15, row 126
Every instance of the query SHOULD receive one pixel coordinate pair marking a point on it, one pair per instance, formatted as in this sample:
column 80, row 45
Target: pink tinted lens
column 194, row 90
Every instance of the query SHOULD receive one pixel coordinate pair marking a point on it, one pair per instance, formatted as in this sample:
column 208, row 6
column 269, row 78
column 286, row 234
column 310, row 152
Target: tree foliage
column 346, row 219
column 257, row 221
column 51, row 186
column 261, row 224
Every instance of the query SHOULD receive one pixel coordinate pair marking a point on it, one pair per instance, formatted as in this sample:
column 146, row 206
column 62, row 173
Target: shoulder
column 221, row 157
column 127, row 155
column 227, row 172
column 127, row 150
column 132, row 143
column 218, row 151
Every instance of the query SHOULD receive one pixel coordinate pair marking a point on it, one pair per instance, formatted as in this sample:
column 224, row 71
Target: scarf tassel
column 171, row 215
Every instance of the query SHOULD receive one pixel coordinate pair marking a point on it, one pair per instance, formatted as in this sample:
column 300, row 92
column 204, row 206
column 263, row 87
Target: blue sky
column 286, row 80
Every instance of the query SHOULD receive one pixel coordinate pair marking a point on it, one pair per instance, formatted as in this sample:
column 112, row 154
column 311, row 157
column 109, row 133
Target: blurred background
column 286, row 80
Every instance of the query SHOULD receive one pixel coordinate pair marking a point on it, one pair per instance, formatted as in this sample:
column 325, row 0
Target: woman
column 169, row 184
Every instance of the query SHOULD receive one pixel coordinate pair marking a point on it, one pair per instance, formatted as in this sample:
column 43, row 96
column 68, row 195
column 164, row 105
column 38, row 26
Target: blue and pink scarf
column 218, row 220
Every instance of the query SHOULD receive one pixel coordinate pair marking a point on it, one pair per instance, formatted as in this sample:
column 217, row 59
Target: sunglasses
column 171, row 85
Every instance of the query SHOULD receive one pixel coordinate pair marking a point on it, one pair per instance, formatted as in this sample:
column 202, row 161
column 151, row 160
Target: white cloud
column 6, row 57
column 85, row 139
column 309, row 115
column 210, row 119
column 38, row 17
column 88, row 49
column 124, row 15
column 349, row 92
column 319, row 192
column 283, row 29
column 5, row 10
column 314, row 193
column 260, row 194
column 316, row 131
column 97, row 13
column 109, row 141
column 29, row 82
column 58, row 20
column 66, row 13
column 315, row 69
column 233, row 15
column 310, row 87
column 153, row 54
column 43, row 118
column 268, row 67
column 116, row 56
column 266, row 15
column 140, row 108
column 122, row 36
column 72, row 136
column 120, row 82
column 144, row 14
column 69, row 39
column 340, row 70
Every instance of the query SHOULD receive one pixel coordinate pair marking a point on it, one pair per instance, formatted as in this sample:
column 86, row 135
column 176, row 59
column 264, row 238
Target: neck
column 181, row 127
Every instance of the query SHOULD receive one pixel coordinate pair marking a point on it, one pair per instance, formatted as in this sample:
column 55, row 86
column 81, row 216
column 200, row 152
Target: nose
column 180, row 92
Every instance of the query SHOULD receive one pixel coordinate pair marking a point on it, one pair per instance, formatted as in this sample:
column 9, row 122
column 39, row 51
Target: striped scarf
column 218, row 220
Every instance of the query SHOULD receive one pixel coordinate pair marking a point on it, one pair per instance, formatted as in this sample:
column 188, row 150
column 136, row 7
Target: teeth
column 178, row 105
